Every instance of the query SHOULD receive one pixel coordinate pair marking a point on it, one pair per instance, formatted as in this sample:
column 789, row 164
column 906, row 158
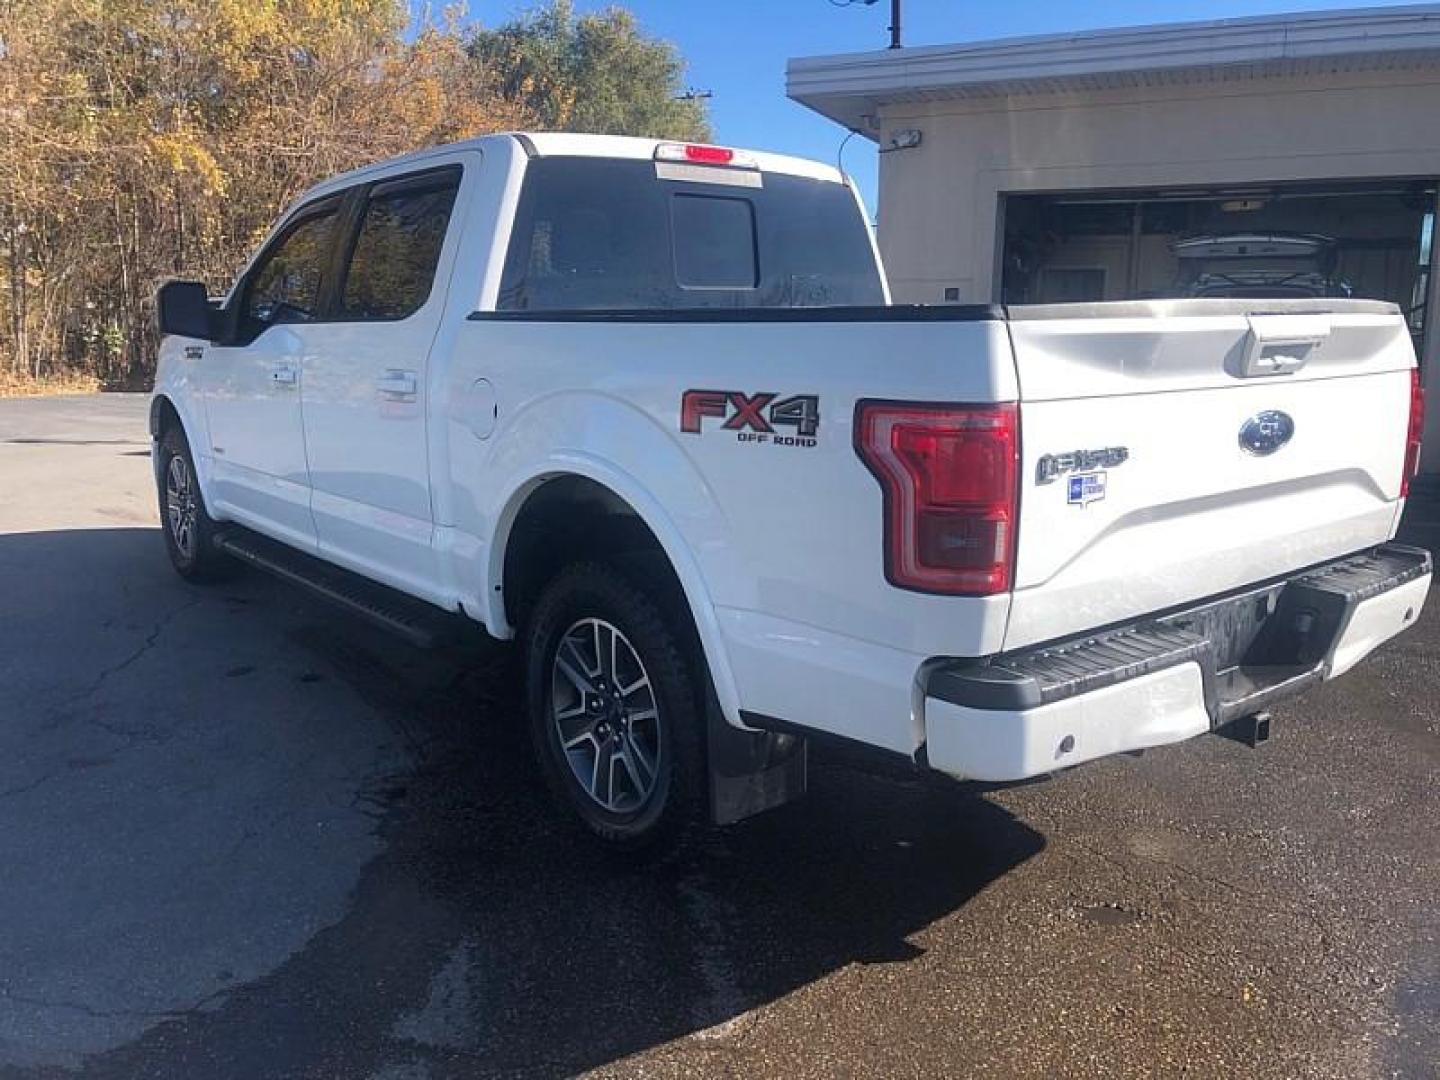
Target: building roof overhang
column 850, row 88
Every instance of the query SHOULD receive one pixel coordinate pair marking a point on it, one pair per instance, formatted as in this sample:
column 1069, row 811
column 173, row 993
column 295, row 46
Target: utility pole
column 894, row 27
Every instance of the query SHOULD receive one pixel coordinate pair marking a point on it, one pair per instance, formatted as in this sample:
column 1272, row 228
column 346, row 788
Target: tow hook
column 1251, row 730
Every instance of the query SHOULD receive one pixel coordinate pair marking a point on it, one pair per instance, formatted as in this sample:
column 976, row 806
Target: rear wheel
column 614, row 713
column 189, row 530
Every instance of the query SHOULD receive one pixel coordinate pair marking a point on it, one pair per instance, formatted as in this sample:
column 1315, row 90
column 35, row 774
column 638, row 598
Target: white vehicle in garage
column 644, row 406
column 1271, row 266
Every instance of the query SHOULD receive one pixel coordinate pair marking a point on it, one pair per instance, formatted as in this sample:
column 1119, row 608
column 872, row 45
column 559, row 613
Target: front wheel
column 614, row 714
column 189, row 530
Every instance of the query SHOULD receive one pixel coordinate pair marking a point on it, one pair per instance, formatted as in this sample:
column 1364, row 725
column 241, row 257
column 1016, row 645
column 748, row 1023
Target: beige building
column 1287, row 155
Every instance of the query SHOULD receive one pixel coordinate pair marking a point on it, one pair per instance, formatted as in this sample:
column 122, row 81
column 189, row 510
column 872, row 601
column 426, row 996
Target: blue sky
column 737, row 49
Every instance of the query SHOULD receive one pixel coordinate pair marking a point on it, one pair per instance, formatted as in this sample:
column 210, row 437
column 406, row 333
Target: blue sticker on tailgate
column 1086, row 488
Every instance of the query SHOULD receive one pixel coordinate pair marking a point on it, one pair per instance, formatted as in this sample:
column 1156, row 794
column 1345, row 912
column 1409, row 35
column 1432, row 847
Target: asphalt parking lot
column 242, row 835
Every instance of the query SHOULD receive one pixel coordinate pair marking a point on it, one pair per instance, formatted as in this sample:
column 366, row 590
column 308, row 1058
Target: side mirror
column 183, row 308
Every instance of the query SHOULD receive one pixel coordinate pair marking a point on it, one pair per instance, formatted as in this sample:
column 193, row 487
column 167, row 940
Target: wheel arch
column 167, row 413
column 163, row 414
column 615, row 494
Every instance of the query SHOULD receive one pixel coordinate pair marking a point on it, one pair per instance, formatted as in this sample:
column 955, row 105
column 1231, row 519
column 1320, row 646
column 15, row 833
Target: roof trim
column 566, row 144
column 530, row 143
column 849, row 88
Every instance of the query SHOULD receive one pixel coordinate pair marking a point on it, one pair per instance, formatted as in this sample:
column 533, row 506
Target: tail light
column 950, row 476
column 1412, row 436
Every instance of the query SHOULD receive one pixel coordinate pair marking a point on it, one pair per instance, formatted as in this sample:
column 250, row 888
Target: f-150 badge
column 1072, row 461
column 753, row 417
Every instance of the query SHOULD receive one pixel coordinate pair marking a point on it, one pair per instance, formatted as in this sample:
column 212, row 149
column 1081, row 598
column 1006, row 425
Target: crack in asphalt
column 131, row 736
column 151, row 639
column 1317, row 990
column 116, row 1014
column 1267, row 895
column 1127, row 868
column 149, row 643
column 25, row 789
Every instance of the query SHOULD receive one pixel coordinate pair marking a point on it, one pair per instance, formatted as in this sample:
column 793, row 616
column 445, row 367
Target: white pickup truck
column 646, row 407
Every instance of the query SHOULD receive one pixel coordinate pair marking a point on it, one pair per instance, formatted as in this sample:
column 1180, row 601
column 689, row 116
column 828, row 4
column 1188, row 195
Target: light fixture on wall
column 904, row 139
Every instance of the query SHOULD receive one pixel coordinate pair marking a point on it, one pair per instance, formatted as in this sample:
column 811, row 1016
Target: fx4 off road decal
column 754, row 418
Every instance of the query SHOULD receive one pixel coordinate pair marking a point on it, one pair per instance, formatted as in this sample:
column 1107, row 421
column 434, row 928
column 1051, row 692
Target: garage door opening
column 1367, row 240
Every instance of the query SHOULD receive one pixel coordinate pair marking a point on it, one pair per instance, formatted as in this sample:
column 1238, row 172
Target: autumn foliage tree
column 140, row 139
column 595, row 72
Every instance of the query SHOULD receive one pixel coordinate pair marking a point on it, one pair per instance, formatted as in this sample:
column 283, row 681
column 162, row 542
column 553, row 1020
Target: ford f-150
column 646, row 406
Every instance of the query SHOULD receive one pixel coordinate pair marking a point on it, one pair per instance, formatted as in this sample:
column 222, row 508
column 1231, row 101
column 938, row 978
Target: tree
column 145, row 138
column 598, row 73
column 142, row 139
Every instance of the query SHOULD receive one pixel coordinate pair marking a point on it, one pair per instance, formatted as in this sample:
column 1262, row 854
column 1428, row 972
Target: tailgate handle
column 1281, row 344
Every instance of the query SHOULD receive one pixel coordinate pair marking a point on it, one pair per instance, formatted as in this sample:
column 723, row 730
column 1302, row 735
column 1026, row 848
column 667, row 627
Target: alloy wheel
column 180, row 505
column 606, row 716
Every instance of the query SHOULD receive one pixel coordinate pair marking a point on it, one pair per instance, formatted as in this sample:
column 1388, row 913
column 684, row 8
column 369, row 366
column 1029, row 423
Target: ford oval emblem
column 1266, row 432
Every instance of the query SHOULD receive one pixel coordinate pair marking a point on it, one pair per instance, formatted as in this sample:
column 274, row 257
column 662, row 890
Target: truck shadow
column 487, row 937
column 490, row 938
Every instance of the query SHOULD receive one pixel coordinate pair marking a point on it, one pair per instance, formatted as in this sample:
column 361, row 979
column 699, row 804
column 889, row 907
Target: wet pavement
column 243, row 835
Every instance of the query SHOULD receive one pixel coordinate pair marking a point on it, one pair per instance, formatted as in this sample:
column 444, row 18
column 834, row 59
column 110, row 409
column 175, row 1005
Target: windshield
column 601, row 234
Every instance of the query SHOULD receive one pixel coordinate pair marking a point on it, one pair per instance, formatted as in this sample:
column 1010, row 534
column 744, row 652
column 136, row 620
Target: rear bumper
column 1169, row 677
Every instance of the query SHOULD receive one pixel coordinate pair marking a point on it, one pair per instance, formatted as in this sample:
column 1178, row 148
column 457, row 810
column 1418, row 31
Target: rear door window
column 392, row 264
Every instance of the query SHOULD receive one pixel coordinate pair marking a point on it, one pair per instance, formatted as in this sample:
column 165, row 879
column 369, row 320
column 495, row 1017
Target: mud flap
column 750, row 771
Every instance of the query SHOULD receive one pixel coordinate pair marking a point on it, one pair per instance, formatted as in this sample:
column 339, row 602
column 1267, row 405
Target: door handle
column 284, row 376
column 397, row 384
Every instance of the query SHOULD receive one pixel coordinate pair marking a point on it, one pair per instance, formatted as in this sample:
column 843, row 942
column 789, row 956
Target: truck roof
column 569, row 144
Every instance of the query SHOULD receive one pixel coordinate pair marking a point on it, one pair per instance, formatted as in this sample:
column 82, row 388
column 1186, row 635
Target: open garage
column 1296, row 240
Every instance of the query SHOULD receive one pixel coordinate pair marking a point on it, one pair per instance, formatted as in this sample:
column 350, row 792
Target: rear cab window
column 595, row 234
column 714, row 242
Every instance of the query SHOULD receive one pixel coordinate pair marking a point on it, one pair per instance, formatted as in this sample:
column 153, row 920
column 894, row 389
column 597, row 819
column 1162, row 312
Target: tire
column 629, row 766
column 189, row 530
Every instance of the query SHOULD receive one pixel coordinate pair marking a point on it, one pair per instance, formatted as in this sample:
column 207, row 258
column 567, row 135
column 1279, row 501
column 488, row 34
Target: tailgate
column 1173, row 450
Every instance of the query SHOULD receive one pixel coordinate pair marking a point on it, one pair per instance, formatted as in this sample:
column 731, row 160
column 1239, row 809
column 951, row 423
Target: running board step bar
column 419, row 623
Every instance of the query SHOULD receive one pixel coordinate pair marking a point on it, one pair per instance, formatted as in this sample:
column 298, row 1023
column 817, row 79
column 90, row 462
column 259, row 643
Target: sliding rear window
column 597, row 234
